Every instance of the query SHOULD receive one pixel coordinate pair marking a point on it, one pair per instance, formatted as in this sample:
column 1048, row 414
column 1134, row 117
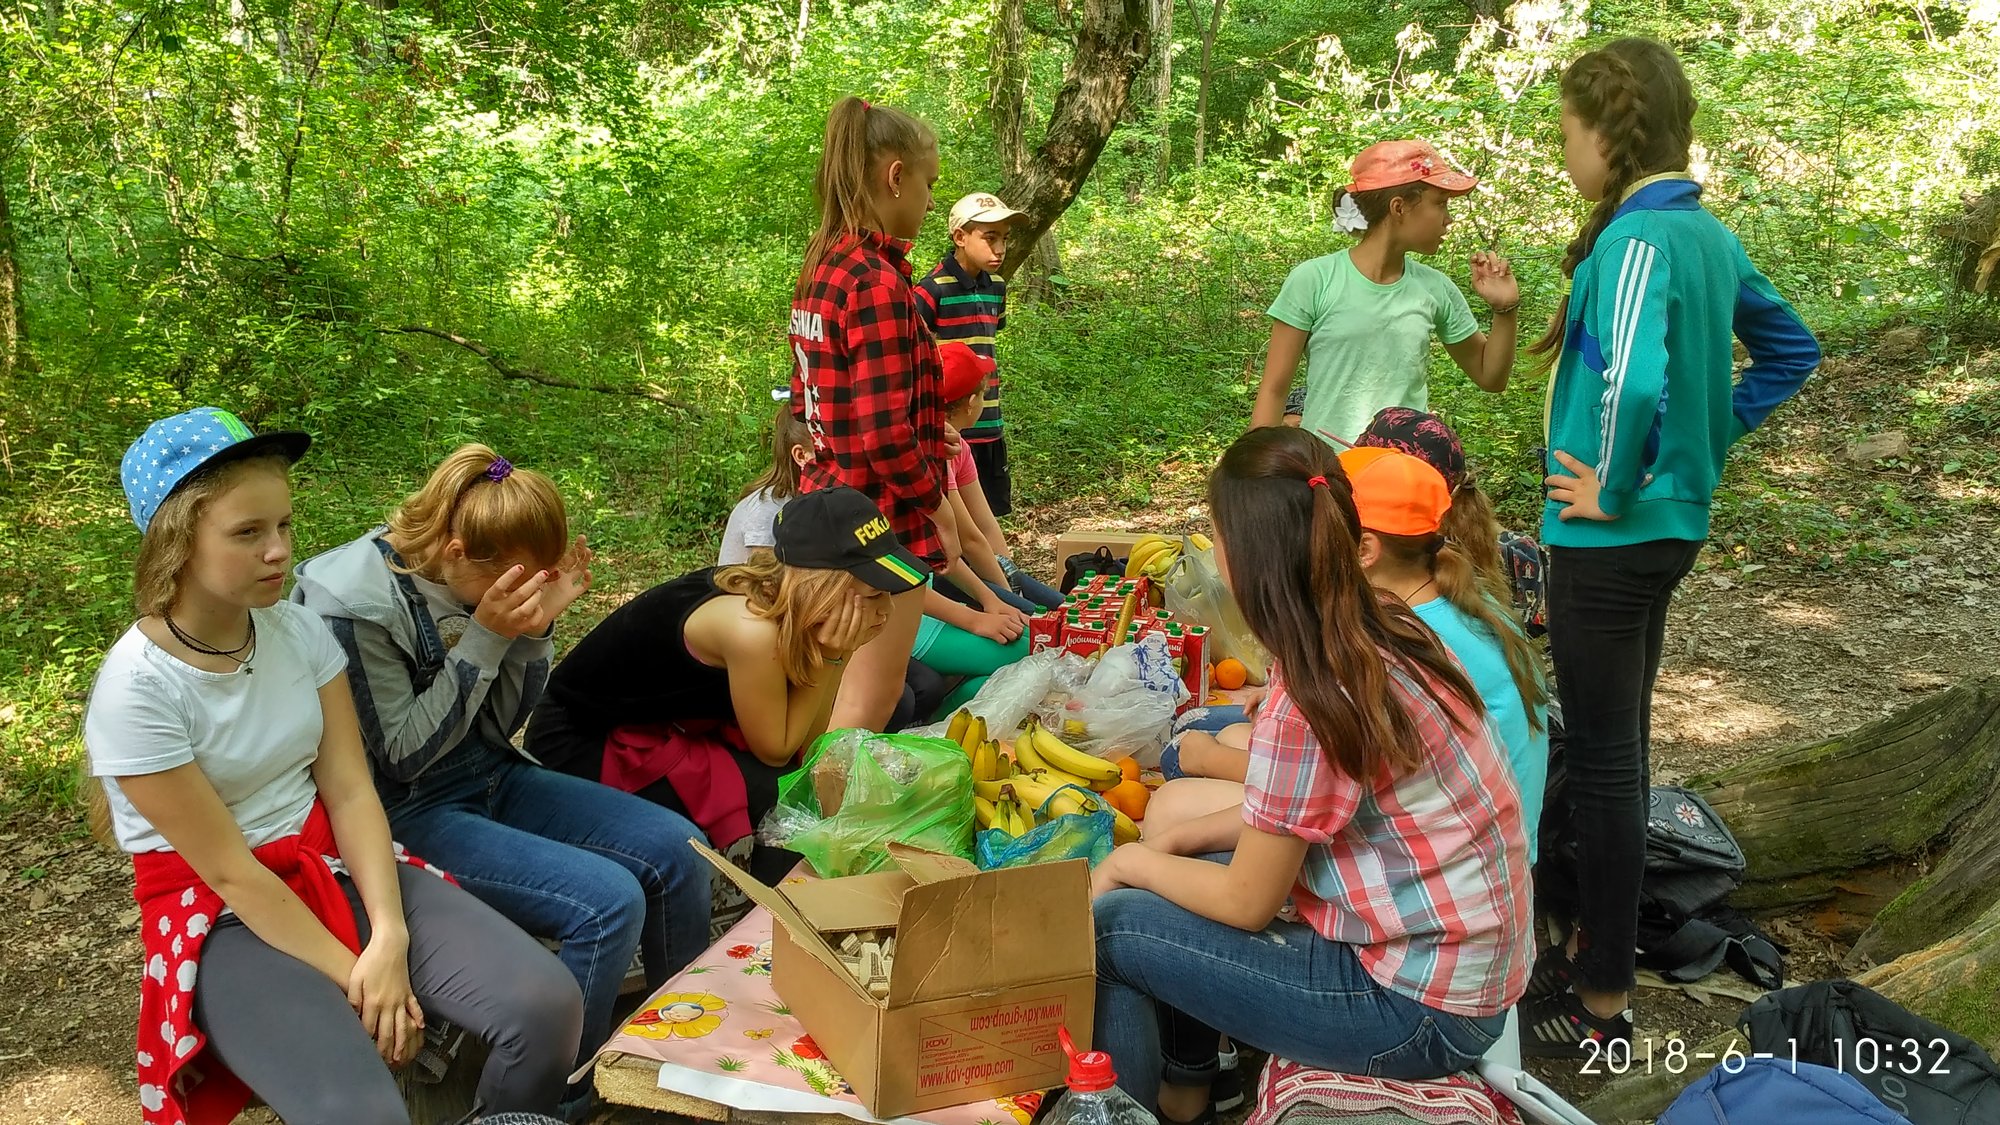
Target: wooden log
column 1833, row 822
column 1810, row 816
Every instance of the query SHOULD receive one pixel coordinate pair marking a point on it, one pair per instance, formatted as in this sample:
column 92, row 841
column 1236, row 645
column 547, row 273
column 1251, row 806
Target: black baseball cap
column 841, row 529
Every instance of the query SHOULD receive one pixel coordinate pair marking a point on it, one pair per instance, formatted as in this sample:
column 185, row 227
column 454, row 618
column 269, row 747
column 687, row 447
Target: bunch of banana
column 1047, row 764
column 968, row 730
column 1152, row 556
column 1155, row 555
column 1040, row 753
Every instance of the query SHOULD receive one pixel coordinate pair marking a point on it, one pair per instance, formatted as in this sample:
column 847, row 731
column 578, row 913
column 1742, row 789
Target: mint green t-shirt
column 1368, row 343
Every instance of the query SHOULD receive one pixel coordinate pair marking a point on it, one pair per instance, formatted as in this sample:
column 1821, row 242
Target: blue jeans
column 1169, row 980
column 1037, row 592
column 1208, row 720
column 1024, row 604
column 602, row 872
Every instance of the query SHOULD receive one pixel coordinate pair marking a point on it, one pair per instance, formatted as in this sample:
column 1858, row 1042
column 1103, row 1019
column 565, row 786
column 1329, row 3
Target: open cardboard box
column 988, row 965
column 1081, row 541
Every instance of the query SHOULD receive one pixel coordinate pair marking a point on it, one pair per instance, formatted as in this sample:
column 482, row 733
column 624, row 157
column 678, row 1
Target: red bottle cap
column 1090, row 1071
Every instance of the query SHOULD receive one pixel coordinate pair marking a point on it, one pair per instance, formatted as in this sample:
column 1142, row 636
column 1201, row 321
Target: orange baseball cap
column 1395, row 493
column 1395, row 163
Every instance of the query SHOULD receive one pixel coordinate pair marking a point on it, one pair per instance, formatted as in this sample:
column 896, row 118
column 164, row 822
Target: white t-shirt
column 254, row 732
column 749, row 527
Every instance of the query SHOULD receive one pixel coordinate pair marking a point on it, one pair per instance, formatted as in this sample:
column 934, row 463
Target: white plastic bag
column 1197, row 595
column 1010, row 694
column 1127, row 708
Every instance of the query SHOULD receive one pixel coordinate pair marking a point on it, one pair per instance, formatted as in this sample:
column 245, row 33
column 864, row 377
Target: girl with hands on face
column 700, row 693
column 272, row 900
column 448, row 615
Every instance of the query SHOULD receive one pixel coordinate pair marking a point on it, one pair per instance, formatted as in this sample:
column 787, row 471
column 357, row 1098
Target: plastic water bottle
column 1093, row 1097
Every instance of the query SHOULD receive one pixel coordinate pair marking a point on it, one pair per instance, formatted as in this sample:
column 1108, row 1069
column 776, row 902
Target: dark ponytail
column 1634, row 93
column 859, row 136
column 1292, row 549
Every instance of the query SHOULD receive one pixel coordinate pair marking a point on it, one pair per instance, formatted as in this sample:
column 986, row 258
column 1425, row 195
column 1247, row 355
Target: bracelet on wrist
column 1509, row 310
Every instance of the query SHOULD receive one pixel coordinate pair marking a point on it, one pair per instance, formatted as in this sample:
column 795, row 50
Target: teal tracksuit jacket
column 1644, row 389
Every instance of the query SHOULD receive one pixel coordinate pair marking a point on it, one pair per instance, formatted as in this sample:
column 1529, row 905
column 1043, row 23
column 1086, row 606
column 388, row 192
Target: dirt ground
column 1783, row 649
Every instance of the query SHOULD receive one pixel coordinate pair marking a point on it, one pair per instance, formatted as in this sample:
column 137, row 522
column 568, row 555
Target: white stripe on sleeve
column 1627, row 303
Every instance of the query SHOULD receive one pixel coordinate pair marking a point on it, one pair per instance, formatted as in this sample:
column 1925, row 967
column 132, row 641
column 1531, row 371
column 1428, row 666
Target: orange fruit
column 1230, row 674
column 1129, row 797
column 1129, row 767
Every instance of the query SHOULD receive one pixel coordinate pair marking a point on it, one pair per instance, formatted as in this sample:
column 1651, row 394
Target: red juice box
column 1085, row 638
column 1045, row 630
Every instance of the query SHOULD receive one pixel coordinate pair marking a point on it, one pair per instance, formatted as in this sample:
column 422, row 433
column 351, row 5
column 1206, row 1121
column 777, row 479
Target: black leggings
column 1607, row 624
column 286, row 1030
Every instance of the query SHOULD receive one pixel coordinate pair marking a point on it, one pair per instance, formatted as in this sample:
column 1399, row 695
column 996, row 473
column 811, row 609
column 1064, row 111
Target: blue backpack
column 1774, row 1091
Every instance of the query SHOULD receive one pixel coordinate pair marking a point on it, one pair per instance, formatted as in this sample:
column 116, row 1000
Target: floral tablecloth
column 720, row 1033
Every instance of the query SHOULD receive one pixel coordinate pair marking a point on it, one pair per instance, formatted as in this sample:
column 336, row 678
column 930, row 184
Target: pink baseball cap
column 1395, row 163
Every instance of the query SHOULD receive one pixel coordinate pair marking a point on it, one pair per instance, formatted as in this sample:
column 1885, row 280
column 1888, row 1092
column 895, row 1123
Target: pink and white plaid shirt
column 1426, row 874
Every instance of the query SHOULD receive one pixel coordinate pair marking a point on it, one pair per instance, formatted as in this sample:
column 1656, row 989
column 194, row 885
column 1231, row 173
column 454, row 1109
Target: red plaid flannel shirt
column 866, row 381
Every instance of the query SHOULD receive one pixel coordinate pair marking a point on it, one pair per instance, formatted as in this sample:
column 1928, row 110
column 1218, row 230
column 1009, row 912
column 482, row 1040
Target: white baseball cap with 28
column 981, row 207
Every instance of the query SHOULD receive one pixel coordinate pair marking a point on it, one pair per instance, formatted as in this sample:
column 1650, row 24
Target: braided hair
column 1634, row 93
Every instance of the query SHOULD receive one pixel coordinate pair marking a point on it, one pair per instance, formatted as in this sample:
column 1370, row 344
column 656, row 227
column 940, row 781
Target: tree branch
column 507, row 370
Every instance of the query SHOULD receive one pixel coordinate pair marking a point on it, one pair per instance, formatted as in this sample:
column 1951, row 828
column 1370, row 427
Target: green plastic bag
column 883, row 789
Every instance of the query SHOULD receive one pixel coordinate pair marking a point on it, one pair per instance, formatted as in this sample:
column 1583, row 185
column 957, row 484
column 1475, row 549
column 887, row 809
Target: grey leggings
column 286, row 1030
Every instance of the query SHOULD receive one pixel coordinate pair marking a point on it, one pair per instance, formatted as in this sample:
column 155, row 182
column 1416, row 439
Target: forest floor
column 1797, row 644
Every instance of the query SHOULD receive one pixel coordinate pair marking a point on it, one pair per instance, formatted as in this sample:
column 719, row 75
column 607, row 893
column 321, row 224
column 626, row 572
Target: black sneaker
column 1226, row 1092
column 1560, row 1027
column 1554, row 972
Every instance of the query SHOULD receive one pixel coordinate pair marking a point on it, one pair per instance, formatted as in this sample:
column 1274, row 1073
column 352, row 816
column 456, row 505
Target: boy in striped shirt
column 965, row 299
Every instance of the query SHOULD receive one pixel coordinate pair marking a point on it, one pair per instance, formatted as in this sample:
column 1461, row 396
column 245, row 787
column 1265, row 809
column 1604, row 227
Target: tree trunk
column 799, row 37
column 1812, row 817
column 1842, row 825
column 1201, row 103
column 1007, row 86
column 1112, row 44
column 14, row 355
column 1163, row 94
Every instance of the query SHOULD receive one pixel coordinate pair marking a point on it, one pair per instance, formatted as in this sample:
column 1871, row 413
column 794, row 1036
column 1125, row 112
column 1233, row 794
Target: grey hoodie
column 425, row 674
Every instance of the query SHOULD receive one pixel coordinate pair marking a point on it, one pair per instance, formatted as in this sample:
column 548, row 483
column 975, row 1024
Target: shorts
column 994, row 478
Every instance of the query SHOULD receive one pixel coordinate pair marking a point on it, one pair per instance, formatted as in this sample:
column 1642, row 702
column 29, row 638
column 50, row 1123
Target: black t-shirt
column 635, row 667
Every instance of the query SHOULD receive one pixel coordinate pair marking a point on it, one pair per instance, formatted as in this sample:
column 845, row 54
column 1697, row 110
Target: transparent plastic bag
column 860, row 791
column 1127, row 707
column 1197, row 595
column 1085, row 836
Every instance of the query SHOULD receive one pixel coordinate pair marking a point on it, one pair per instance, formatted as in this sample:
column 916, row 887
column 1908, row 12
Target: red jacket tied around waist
column 178, row 1080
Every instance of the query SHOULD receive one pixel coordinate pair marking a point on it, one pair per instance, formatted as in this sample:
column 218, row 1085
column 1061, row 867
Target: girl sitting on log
column 1404, row 507
column 293, row 951
column 699, row 694
column 448, row 617
column 1376, row 800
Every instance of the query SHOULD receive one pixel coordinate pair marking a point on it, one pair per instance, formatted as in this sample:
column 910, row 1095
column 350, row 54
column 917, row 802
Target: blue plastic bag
column 1085, row 836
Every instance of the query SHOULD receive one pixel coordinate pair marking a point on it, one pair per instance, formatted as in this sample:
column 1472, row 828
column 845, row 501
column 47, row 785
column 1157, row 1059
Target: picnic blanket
column 719, row 1033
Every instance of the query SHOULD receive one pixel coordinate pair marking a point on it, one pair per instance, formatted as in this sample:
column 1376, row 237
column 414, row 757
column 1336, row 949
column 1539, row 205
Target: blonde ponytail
column 493, row 509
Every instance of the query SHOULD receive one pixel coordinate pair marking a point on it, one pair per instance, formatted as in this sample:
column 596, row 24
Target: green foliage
column 242, row 205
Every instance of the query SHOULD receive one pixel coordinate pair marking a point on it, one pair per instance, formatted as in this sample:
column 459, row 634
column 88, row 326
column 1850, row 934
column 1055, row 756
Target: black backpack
column 1686, row 927
column 1929, row 1074
column 1101, row 560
